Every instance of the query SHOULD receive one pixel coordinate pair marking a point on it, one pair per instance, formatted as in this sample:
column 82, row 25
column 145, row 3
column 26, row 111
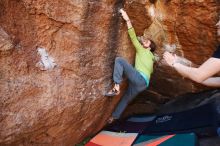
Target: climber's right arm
column 126, row 18
column 131, row 31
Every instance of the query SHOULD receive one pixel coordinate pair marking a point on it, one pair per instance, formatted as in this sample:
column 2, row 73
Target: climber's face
column 218, row 27
column 146, row 43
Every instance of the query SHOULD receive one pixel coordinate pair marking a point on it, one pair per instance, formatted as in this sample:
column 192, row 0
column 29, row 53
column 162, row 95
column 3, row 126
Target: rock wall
column 56, row 60
column 186, row 28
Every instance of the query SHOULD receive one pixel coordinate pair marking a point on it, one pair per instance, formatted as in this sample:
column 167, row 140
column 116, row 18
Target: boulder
column 57, row 98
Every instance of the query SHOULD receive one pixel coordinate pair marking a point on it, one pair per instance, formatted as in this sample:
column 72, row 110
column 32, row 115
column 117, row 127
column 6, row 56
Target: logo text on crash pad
column 163, row 119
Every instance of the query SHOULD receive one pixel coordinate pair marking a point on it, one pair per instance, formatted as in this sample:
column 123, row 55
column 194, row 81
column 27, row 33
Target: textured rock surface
column 64, row 104
column 5, row 41
column 188, row 29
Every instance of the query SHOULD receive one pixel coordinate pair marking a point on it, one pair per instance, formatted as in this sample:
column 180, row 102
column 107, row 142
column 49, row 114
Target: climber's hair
column 153, row 46
column 153, row 1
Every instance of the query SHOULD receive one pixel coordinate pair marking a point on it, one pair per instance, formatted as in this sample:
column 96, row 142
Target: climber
column 138, row 76
column 203, row 74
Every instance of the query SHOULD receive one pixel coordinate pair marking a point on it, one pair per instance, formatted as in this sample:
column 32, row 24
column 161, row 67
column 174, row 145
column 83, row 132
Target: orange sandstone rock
column 63, row 104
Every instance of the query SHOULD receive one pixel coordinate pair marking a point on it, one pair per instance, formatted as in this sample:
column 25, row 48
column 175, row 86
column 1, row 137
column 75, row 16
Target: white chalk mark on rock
column 151, row 11
column 170, row 47
column 46, row 62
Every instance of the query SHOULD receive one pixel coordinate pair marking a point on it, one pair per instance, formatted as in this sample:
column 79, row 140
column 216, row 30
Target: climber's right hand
column 124, row 15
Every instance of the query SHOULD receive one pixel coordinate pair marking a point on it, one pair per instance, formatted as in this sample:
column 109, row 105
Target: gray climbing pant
column 136, row 84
